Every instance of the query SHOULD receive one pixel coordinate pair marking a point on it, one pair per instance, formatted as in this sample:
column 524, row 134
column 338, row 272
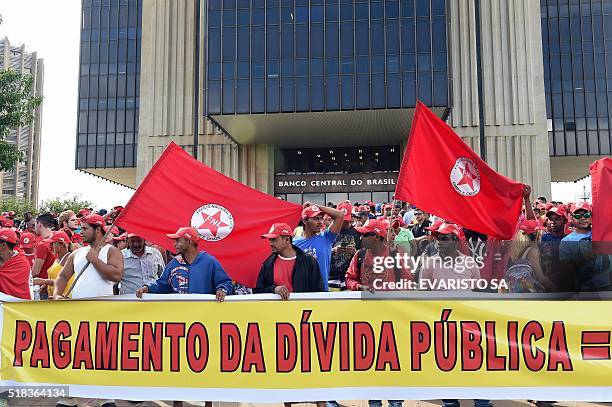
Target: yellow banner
column 398, row 345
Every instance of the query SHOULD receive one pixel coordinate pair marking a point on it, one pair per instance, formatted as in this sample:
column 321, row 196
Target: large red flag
column 230, row 216
column 601, row 181
column 443, row 175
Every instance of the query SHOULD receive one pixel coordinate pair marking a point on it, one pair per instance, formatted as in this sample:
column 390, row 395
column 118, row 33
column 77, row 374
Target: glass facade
column 577, row 45
column 270, row 56
column 109, row 83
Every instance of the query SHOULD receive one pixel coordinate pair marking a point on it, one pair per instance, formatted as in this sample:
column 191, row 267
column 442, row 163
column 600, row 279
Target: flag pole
column 80, row 273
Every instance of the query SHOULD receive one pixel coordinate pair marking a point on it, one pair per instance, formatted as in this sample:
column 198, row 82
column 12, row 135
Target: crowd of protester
column 334, row 248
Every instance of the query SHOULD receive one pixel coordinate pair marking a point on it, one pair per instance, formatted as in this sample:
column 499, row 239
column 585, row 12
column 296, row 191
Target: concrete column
column 513, row 87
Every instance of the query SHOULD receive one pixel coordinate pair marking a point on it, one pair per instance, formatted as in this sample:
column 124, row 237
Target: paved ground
column 467, row 403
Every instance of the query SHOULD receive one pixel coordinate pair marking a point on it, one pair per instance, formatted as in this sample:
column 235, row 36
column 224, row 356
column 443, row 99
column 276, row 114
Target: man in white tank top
column 104, row 263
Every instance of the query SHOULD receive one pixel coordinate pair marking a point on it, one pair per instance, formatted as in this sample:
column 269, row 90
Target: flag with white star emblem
column 230, row 217
column 442, row 175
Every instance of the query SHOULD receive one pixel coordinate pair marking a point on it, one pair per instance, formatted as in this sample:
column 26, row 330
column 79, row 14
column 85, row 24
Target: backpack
column 361, row 256
column 521, row 278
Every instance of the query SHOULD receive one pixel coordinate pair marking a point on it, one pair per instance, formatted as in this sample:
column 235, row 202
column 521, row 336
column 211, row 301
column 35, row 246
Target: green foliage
column 16, row 110
column 58, row 205
column 19, row 205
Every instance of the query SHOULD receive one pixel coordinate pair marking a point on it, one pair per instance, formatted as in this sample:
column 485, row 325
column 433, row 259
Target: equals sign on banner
column 595, row 345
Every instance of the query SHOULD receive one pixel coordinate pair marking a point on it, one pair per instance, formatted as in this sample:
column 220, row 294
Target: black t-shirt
column 419, row 230
column 341, row 258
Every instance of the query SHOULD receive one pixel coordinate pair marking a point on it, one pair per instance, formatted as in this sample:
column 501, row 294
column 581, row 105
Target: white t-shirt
column 91, row 283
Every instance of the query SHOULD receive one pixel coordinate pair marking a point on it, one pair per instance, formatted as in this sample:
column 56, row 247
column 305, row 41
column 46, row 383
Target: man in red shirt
column 43, row 256
column 363, row 273
column 288, row 269
column 15, row 269
column 27, row 243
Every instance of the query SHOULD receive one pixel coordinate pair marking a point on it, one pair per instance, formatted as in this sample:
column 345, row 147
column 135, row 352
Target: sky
column 52, row 29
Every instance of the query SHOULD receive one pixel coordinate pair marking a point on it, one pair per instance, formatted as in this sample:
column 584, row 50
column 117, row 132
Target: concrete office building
column 22, row 182
column 297, row 92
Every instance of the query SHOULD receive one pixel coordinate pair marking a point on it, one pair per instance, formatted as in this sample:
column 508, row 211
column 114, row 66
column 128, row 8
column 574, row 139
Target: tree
column 58, row 205
column 17, row 106
column 18, row 205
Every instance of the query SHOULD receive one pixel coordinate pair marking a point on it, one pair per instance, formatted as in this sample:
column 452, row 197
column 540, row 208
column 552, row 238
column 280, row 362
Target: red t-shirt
column 30, row 258
column 43, row 251
column 15, row 277
column 283, row 272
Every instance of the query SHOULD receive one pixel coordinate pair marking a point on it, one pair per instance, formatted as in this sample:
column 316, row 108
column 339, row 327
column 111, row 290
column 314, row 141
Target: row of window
column 105, row 17
column 274, row 69
column 331, row 11
column 106, row 156
column 329, row 40
column 337, row 160
column 109, row 86
column 580, row 142
column 121, row 68
column 563, row 8
column 113, row 51
column 579, row 104
column 330, row 93
column 92, row 139
column 112, row 34
column 107, row 121
column 109, row 3
column 103, row 103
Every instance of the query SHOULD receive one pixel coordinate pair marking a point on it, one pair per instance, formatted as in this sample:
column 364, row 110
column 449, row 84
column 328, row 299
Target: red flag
column 230, row 216
column 443, row 175
column 601, row 180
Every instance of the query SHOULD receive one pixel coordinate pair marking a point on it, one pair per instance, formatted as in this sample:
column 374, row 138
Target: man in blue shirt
column 592, row 271
column 316, row 241
column 191, row 272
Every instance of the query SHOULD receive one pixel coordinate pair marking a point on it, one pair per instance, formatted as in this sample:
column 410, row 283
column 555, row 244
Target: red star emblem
column 467, row 178
column 212, row 223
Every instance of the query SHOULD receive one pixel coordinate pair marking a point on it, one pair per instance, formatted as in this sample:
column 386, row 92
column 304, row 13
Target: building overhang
column 571, row 168
column 122, row 176
column 321, row 129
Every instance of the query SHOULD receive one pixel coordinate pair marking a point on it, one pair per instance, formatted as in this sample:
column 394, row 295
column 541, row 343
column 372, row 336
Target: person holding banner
column 316, row 241
column 14, row 267
column 288, row 269
column 191, row 272
column 98, row 266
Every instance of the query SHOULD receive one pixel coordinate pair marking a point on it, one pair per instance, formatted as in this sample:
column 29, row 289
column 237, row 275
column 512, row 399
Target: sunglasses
column 585, row 215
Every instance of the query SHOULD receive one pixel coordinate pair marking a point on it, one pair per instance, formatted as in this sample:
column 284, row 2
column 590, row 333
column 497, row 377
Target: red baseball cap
column 347, row 210
column 376, row 226
column 120, row 237
column 558, row 210
column 434, row 226
column 94, row 220
column 549, row 206
column 132, row 235
column 311, row 212
column 530, row 226
column 60, row 236
column 27, row 240
column 8, row 235
column 278, row 229
column 83, row 212
column 447, row 229
column 11, row 213
column 187, row 232
column 114, row 229
column 8, row 223
column 585, row 206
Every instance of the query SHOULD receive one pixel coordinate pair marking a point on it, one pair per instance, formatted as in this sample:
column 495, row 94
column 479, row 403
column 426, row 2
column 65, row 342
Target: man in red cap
column 288, row 269
column 591, row 271
column 14, row 268
column 191, row 271
column 346, row 245
column 316, row 241
column 43, row 257
column 557, row 218
column 100, row 264
column 449, row 266
column 61, row 247
column 142, row 265
column 27, row 243
column 365, row 273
